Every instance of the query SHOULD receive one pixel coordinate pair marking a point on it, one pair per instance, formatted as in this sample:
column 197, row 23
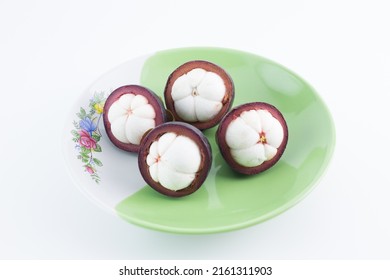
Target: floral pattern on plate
column 87, row 135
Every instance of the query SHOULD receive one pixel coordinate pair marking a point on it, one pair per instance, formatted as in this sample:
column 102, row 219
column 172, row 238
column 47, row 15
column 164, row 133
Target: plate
column 226, row 201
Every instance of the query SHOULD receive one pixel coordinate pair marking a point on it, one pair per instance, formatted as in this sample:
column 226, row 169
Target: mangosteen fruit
column 200, row 93
column 252, row 137
column 175, row 159
column 129, row 112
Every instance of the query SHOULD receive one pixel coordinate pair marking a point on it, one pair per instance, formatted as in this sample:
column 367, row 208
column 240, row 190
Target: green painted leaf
column 76, row 124
column 95, row 177
column 98, row 148
column 85, row 150
column 84, row 155
column 82, row 113
column 96, row 137
column 75, row 133
column 99, row 96
column 98, row 162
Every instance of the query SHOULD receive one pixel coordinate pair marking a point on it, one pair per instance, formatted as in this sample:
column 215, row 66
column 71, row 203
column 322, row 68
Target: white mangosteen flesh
column 198, row 95
column 254, row 137
column 130, row 117
column 173, row 161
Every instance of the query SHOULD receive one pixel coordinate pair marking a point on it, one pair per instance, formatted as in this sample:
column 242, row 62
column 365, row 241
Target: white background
column 52, row 50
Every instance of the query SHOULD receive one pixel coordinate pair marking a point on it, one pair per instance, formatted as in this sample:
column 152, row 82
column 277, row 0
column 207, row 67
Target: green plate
column 226, row 201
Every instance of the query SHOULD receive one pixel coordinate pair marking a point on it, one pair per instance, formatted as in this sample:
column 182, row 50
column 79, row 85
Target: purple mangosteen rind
column 225, row 149
column 179, row 128
column 153, row 99
column 227, row 101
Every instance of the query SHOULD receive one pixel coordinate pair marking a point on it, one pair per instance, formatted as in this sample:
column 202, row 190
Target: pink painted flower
column 86, row 140
column 89, row 169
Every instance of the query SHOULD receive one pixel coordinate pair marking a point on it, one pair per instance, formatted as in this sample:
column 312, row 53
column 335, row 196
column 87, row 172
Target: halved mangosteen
column 200, row 93
column 252, row 137
column 129, row 112
column 175, row 159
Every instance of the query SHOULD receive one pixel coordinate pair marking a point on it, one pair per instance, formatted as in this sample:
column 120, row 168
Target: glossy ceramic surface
column 227, row 200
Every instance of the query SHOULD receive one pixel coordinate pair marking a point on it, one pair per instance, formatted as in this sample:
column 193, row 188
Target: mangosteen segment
column 200, row 93
column 252, row 137
column 130, row 117
column 129, row 112
column 175, row 159
column 166, row 162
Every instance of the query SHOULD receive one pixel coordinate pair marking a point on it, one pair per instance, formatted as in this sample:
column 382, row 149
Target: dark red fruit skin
column 227, row 101
column 179, row 128
column 225, row 150
column 152, row 98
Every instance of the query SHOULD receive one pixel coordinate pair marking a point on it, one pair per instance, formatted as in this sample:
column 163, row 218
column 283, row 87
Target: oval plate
column 226, row 201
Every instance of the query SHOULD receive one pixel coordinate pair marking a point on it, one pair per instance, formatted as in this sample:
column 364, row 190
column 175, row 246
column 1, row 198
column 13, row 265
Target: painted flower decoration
column 99, row 107
column 86, row 140
column 89, row 169
column 86, row 135
column 88, row 125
